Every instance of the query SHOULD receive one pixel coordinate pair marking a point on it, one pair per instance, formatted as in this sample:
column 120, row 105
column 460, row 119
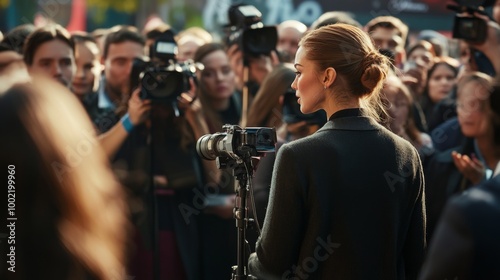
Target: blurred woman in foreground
column 71, row 222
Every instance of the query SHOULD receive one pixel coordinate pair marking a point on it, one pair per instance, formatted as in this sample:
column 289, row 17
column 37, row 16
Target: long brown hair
column 70, row 209
column 214, row 121
column 266, row 109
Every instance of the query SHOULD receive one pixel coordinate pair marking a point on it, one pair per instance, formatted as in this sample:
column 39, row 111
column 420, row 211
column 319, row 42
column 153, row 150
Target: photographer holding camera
column 152, row 150
column 348, row 201
column 251, row 51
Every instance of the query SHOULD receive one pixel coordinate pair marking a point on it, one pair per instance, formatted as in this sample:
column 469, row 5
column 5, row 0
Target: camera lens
column 207, row 145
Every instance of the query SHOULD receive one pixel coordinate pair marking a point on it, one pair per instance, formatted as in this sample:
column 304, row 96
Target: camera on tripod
column 162, row 78
column 236, row 143
column 247, row 30
column 470, row 28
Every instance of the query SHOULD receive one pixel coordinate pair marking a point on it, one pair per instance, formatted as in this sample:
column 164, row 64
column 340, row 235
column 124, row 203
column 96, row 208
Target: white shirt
column 497, row 170
column 103, row 101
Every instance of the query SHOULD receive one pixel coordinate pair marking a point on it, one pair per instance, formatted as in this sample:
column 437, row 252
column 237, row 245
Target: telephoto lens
column 208, row 145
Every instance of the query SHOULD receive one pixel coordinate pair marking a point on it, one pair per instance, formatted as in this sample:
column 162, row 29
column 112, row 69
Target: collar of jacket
column 352, row 123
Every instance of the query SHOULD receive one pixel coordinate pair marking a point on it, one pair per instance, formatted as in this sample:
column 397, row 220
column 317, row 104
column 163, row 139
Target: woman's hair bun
column 375, row 65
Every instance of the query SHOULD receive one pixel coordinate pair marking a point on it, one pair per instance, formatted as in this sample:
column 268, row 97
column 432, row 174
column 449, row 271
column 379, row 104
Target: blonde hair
column 71, row 207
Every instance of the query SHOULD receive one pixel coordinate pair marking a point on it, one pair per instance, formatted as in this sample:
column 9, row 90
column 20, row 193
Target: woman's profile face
column 441, row 82
column 217, row 77
column 472, row 109
column 308, row 87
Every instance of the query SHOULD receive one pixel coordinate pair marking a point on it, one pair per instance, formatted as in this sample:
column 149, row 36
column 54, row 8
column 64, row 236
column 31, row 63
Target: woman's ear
column 330, row 76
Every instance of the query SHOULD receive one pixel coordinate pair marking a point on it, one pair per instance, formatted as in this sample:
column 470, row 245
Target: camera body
column 162, row 78
column 247, row 30
column 292, row 113
column 236, row 143
column 470, row 28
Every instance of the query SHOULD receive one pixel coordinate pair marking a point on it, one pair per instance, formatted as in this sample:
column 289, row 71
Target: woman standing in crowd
column 88, row 65
column 402, row 117
column 459, row 168
column 347, row 201
column 267, row 106
column 220, row 104
column 466, row 244
column 441, row 82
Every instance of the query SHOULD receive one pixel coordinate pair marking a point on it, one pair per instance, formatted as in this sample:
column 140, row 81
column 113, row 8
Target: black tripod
column 242, row 171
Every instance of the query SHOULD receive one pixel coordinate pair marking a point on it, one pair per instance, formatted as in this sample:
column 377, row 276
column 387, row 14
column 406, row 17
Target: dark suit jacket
column 466, row 244
column 346, row 203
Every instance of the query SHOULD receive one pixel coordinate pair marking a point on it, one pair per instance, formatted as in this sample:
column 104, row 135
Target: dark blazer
column 466, row 244
column 346, row 203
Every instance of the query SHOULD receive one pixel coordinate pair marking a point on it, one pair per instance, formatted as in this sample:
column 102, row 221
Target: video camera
column 247, row 30
column 162, row 78
column 470, row 28
column 292, row 113
column 236, row 143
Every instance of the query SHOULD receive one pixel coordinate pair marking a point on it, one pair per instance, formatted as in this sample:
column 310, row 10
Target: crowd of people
column 386, row 162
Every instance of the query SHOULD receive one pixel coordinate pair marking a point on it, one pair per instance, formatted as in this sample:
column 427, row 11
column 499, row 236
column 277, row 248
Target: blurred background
column 88, row 15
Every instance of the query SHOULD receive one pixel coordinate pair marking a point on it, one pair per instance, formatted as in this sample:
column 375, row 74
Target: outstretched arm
column 137, row 111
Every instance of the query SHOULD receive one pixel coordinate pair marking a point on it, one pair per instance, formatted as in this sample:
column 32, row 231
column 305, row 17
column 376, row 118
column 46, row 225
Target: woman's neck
column 220, row 104
column 333, row 106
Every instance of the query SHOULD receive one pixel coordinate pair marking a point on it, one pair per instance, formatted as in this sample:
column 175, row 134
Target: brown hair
column 449, row 62
column 410, row 127
column 266, row 109
column 422, row 44
column 70, row 208
column 121, row 34
column 360, row 67
column 214, row 121
column 42, row 35
column 388, row 22
column 479, row 77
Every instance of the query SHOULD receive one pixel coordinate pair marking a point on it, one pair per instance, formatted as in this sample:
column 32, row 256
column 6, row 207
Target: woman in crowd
column 348, row 201
column 466, row 244
column 402, row 120
column 88, row 65
column 441, row 82
column 220, row 104
column 267, row 106
column 459, row 168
